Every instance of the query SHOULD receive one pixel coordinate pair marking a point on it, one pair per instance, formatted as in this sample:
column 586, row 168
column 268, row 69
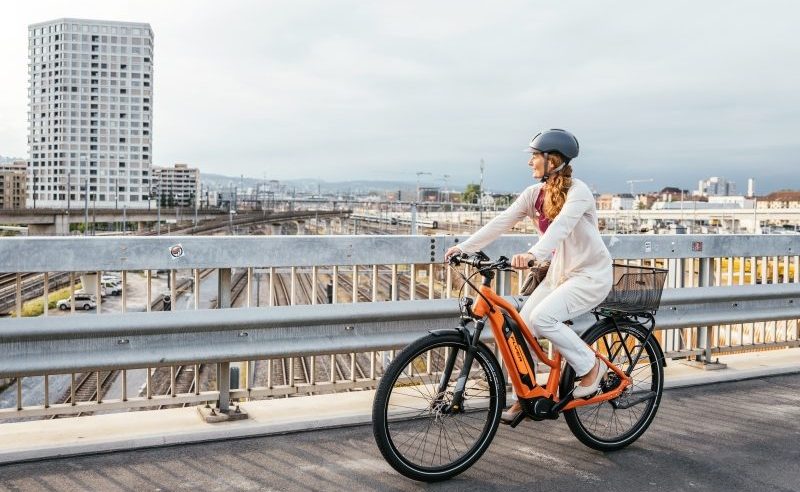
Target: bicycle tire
column 388, row 429
column 577, row 418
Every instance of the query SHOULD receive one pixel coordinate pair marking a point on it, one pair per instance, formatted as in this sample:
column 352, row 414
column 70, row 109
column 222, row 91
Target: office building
column 12, row 185
column 177, row 186
column 90, row 113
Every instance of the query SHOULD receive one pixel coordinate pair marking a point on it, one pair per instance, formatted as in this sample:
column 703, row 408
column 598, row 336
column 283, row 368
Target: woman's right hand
column 455, row 250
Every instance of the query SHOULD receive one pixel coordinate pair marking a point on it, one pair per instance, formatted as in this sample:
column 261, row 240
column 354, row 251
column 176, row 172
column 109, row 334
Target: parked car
column 82, row 301
column 111, row 288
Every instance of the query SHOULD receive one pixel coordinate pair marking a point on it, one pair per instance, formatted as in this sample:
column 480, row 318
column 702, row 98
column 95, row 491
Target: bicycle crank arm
column 639, row 398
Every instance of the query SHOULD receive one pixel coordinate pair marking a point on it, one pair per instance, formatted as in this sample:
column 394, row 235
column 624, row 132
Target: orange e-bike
column 438, row 404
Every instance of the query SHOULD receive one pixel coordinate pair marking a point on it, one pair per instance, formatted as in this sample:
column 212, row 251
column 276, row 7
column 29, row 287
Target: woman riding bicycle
column 580, row 275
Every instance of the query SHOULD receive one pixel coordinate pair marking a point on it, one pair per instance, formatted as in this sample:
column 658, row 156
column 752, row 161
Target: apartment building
column 90, row 113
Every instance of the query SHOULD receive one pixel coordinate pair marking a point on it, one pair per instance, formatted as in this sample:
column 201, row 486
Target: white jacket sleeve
column 579, row 201
column 501, row 224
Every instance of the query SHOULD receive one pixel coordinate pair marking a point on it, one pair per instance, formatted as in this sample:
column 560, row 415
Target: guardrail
column 344, row 346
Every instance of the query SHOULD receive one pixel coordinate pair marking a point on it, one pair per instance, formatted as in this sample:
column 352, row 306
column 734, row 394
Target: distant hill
column 218, row 181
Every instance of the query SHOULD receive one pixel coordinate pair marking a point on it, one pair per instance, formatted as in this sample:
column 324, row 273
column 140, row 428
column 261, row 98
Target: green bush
column 35, row 307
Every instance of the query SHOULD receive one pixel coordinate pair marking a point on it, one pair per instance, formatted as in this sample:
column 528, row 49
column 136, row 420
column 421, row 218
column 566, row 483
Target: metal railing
column 185, row 358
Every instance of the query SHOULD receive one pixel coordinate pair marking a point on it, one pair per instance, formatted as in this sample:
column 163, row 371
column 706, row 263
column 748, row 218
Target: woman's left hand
column 520, row 261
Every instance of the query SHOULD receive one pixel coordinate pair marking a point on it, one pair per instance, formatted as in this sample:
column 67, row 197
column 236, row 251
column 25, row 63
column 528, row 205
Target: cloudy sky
column 339, row 90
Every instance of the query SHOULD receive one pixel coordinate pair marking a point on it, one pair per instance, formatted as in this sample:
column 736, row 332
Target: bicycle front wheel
column 418, row 432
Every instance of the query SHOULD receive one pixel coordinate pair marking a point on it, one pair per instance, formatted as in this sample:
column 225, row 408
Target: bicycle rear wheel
column 614, row 424
column 417, row 432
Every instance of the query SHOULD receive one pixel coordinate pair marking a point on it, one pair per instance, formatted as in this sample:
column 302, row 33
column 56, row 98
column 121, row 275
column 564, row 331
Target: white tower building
column 90, row 111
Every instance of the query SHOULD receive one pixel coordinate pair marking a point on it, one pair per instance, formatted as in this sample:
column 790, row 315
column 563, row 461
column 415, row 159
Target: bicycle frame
column 514, row 359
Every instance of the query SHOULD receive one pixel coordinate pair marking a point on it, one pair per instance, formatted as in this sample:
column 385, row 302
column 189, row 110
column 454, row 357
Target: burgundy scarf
column 544, row 222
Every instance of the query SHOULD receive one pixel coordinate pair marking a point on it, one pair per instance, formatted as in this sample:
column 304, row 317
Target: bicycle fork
column 471, row 339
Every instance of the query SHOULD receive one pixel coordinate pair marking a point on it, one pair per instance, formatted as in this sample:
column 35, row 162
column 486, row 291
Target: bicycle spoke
column 605, row 421
column 419, row 421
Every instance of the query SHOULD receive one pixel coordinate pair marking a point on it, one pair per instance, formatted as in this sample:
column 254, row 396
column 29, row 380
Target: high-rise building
column 716, row 186
column 90, row 113
column 177, row 186
column 12, row 185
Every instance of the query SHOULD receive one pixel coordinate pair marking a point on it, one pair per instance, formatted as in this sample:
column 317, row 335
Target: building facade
column 177, row 186
column 608, row 201
column 716, row 186
column 13, row 179
column 90, row 113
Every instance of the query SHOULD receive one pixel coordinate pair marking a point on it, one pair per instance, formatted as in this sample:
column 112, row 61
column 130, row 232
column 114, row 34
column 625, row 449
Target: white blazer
column 572, row 241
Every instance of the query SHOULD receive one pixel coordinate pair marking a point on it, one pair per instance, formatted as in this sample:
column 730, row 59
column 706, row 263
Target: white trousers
column 547, row 308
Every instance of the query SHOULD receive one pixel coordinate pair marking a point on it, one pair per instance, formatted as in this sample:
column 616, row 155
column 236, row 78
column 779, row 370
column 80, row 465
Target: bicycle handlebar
column 481, row 261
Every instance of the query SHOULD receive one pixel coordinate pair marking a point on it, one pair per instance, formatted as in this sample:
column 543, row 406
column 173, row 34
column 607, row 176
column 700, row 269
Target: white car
column 82, row 301
column 111, row 288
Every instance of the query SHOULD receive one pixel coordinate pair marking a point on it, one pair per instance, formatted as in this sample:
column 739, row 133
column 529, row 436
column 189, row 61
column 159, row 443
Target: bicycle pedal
column 519, row 418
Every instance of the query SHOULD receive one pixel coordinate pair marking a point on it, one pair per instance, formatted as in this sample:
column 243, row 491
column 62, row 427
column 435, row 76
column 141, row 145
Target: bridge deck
column 735, row 435
column 730, row 436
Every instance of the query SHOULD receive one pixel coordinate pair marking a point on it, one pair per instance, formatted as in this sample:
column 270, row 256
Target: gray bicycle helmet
column 554, row 140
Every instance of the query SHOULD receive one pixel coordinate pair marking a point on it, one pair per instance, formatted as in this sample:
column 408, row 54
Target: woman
column 580, row 275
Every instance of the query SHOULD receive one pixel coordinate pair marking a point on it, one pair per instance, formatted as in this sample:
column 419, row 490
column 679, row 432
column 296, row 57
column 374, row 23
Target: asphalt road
column 729, row 436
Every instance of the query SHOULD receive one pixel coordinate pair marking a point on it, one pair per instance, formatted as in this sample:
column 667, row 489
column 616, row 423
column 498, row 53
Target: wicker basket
column 636, row 289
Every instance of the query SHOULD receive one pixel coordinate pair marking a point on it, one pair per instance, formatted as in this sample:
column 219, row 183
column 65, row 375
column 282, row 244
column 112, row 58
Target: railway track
column 295, row 371
column 90, row 386
column 175, row 380
column 31, row 286
column 302, row 371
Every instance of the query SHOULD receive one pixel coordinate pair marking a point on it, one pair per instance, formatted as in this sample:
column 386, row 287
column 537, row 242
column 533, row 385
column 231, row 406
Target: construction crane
column 633, row 181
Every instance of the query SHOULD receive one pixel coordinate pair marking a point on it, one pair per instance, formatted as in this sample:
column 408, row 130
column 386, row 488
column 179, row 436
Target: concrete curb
column 178, row 439
column 729, row 376
column 265, row 422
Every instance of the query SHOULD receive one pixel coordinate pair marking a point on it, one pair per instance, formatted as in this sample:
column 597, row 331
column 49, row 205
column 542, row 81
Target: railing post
column 224, row 288
column 706, row 278
column 224, row 368
column 504, row 283
column 704, row 274
column 224, row 386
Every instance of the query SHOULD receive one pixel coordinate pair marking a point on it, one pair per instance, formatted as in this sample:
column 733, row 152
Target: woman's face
column 536, row 163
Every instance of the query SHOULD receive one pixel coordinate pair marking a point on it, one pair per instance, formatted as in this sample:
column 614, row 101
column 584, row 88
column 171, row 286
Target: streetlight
column 414, row 205
column 157, row 185
column 85, row 196
column 85, row 206
column 480, row 195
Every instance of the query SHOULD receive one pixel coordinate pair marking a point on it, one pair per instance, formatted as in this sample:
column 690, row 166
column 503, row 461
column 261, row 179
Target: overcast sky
column 339, row 90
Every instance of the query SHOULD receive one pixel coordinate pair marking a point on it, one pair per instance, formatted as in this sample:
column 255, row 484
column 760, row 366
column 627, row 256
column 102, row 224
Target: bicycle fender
column 448, row 331
column 444, row 331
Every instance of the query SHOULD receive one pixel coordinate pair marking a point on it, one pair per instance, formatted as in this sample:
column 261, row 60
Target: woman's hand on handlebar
column 454, row 251
column 522, row 261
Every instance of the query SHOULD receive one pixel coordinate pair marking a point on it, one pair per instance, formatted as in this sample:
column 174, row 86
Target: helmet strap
column 548, row 173
column 545, row 174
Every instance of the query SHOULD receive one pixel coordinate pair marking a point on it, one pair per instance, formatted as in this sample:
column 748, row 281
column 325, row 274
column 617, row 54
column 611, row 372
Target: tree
column 504, row 200
column 471, row 194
